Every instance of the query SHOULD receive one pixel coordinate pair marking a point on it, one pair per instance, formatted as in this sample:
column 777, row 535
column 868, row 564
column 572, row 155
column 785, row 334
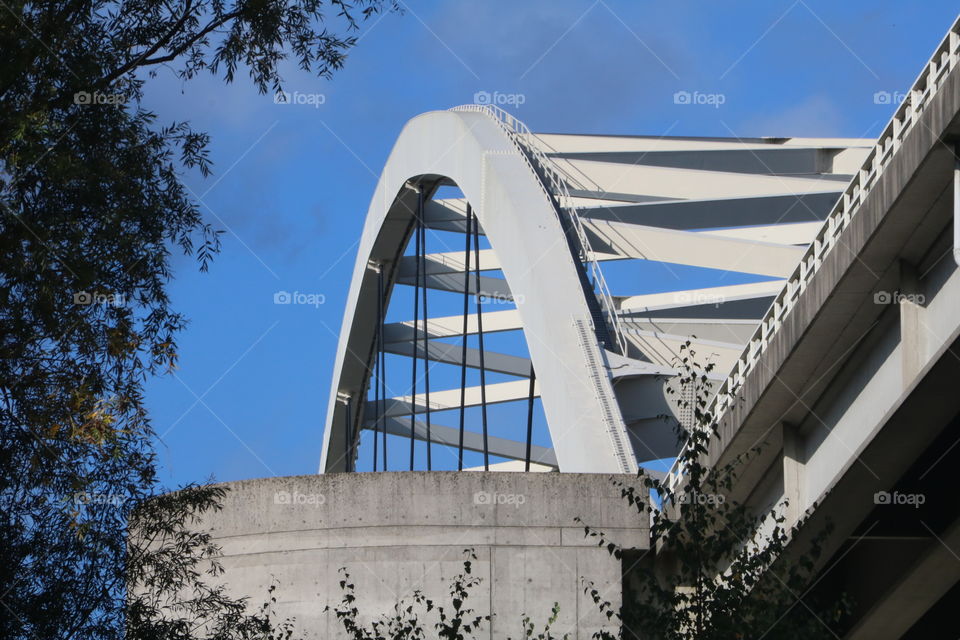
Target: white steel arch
column 553, row 208
column 472, row 150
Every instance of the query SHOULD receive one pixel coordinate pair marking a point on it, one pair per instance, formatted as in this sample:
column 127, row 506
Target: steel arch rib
column 474, row 152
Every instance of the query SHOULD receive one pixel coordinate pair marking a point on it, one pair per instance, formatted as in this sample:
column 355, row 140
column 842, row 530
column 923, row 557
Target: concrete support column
column 794, row 481
column 956, row 201
column 913, row 333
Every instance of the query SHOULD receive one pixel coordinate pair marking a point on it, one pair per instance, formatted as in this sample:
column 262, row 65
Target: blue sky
column 292, row 182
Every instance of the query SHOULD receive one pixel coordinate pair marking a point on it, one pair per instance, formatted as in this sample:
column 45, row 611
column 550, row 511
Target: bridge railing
column 944, row 59
column 556, row 188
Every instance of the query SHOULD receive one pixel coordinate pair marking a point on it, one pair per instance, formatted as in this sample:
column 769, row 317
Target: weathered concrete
column 397, row 532
column 900, row 219
column 856, row 392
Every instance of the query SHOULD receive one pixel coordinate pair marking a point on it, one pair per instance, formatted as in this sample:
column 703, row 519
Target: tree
column 408, row 621
column 91, row 205
column 717, row 568
column 455, row 621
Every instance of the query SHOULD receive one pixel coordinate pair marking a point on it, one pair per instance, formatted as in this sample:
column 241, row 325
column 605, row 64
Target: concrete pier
column 398, row 532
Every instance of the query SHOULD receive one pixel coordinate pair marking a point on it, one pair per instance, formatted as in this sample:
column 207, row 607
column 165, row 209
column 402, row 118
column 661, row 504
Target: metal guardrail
column 556, row 188
column 603, row 392
column 944, row 59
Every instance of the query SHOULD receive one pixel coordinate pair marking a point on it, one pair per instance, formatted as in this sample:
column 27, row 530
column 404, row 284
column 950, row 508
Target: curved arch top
column 551, row 207
column 521, row 223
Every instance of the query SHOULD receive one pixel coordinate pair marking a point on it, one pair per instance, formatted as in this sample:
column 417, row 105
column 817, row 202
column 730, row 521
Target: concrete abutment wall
column 400, row 532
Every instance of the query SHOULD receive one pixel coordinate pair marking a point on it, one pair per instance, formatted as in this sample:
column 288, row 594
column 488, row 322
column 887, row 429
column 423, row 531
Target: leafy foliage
column 92, row 202
column 720, row 570
column 529, row 628
column 170, row 566
column 455, row 621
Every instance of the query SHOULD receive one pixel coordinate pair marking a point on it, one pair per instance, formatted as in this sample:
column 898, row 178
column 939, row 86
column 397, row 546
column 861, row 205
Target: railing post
column 956, row 203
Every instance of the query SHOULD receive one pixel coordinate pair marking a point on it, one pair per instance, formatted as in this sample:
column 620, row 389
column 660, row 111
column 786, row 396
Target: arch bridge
column 518, row 300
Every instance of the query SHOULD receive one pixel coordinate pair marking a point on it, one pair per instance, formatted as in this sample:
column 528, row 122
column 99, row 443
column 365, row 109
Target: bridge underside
column 855, row 395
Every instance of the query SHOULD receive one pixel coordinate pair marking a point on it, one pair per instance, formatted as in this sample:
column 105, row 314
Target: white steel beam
column 795, row 234
column 449, row 262
column 574, row 143
column 711, row 213
column 452, row 326
column 694, row 297
column 490, row 287
column 607, row 178
column 447, row 399
column 663, row 348
column 472, row 441
column 453, row 354
column 695, row 249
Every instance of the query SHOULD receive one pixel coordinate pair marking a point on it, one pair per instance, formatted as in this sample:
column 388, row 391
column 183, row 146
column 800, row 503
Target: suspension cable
column 383, row 372
column 348, row 436
column 416, row 325
column 378, row 374
column 483, row 372
column 426, row 337
column 533, row 381
column 463, row 352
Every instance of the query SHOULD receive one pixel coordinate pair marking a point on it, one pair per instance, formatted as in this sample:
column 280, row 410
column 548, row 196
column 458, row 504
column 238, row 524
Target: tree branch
column 159, row 44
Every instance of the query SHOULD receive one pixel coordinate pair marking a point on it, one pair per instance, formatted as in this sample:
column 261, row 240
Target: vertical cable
column 426, row 337
column 376, row 367
column 463, row 352
column 416, row 325
column 533, row 382
column 483, row 373
column 348, row 436
column 383, row 371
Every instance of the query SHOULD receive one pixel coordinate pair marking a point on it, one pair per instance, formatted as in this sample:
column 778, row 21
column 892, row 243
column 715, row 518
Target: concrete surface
column 396, row 532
